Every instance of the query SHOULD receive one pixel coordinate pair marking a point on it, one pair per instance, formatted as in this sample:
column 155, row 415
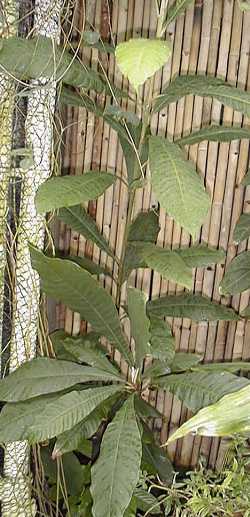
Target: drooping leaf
column 195, row 307
column 155, row 459
column 67, row 411
column 199, row 389
column 229, row 416
column 43, row 375
column 204, row 86
column 77, row 218
column 177, row 185
column 35, row 421
column 75, row 287
column 237, row 276
column 184, row 361
column 175, row 10
column 167, row 263
column 201, row 255
column 242, row 228
column 116, row 471
column 162, row 344
column 41, row 57
column 66, row 191
column 139, row 323
column 215, row 134
column 138, row 59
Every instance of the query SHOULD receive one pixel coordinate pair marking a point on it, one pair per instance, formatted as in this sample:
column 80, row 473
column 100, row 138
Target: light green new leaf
column 138, row 59
column 43, row 375
column 175, row 10
column 162, row 343
column 242, row 228
column 195, row 307
column 204, row 86
column 201, row 255
column 66, row 191
column 184, row 361
column 199, row 389
column 244, row 5
column 167, row 263
column 139, row 323
column 67, row 411
column 227, row 417
column 177, row 185
column 215, row 134
column 77, row 218
column 116, row 471
column 237, row 276
column 67, row 282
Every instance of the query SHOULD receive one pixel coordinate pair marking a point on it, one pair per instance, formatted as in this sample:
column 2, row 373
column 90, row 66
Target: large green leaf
column 43, row 375
column 215, row 134
column 73, row 471
column 199, row 389
column 155, row 459
column 116, row 471
column 177, row 8
column 66, row 281
column 242, row 228
column 85, row 263
column 40, row 57
column 69, row 440
column 233, row 367
column 195, row 307
column 162, row 344
column 44, row 417
column 204, row 86
column 66, row 191
column 201, row 255
column 139, row 323
column 168, row 263
column 77, row 218
column 237, row 276
column 138, row 59
column 177, row 185
column 184, row 361
column 229, row 416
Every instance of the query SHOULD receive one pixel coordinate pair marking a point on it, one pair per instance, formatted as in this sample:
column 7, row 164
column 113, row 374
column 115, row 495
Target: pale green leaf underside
column 227, row 417
column 199, row 389
column 195, row 307
column 215, row 134
column 138, row 59
column 237, row 276
column 139, row 323
column 116, row 471
column 177, row 185
column 67, row 282
column 66, row 191
column 242, row 228
column 77, row 218
column 44, row 375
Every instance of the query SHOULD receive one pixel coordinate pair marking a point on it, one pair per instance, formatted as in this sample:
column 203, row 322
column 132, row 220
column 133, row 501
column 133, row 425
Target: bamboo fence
column 213, row 37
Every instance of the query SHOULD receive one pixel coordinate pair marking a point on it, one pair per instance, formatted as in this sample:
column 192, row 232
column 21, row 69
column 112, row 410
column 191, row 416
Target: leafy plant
column 91, row 391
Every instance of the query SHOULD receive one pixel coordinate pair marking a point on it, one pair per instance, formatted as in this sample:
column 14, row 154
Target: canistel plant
column 97, row 387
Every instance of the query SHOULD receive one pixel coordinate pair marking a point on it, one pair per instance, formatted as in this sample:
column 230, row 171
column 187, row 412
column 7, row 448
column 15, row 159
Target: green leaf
column 116, row 471
column 175, row 10
column 157, row 369
column 139, row 323
column 116, row 112
column 233, row 367
column 214, row 134
column 244, row 5
column 242, row 228
column 167, row 263
column 199, row 389
column 195, row 307
column 130, row 146
column 145, row 410
column 227, row 417
column 177, row 185
column 146, row 501
column 73, row 471
column 85, row 263
column 154, row 458
column 66, row 412
column 162, row 342
column 204, row 86
column 43, row 375
column 138, row 59
column 237, row 276
column 69, row 440
column 184, row 361
column 201, row 255
column 66, row 191
column 77, row 218
column 41, row 58
column 92, row 39
column 75, row 287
